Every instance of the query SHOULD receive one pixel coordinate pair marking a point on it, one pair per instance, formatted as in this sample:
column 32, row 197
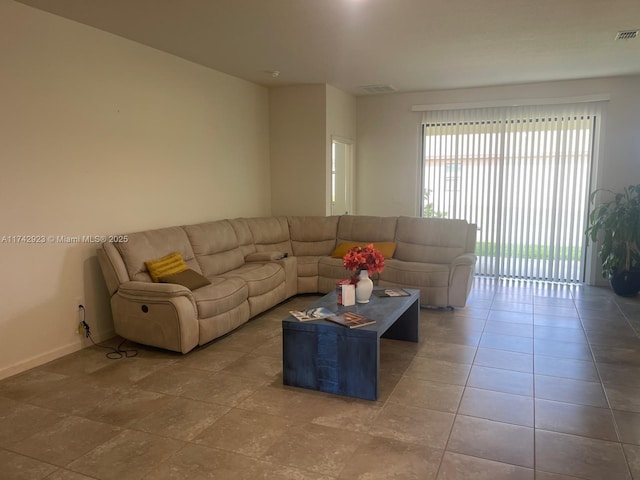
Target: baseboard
column 41, row 359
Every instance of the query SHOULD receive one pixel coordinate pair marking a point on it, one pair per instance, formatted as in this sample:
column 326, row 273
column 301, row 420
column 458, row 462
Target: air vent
column 627, row 35
column 378, row 88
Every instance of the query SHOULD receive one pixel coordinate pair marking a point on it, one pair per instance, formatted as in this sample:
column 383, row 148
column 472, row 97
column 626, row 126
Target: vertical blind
column 522, row 175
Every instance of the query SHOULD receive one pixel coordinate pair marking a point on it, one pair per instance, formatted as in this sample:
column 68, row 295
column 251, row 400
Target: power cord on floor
column 115, row 353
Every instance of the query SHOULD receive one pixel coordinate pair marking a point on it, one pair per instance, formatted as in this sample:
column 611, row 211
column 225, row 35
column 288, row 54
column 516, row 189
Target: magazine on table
column 312, row 314
column 391, row 292
column 350, row 320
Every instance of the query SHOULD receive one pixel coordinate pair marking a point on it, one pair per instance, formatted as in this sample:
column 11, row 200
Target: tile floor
column 530, row 381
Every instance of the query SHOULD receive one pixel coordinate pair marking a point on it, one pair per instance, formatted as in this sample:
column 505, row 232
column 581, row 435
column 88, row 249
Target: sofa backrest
column 313, row 235
column 153, row 244
column 216, row 247
column 432, row 240
column 270, row 234
column 243, row 233
column 362, row 228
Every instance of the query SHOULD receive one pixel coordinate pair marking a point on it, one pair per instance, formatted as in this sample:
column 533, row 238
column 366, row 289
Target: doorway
column 341, row 176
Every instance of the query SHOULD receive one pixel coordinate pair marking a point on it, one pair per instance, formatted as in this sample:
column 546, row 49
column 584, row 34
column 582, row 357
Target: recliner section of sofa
column 254, row 264
column 312, row 240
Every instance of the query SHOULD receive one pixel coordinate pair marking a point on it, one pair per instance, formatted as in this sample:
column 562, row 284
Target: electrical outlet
column 80, row 314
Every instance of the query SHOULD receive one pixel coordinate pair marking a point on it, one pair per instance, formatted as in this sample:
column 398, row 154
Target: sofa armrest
column 163, row 315
column 462, row 267
column 461, row 278
column 155, row 290
column 112, row 266
column 464, row 259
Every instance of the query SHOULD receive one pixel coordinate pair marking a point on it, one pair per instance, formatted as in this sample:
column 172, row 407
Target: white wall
column 100, row 135
column 302, row 120
column 389, row 137
column 297, row 154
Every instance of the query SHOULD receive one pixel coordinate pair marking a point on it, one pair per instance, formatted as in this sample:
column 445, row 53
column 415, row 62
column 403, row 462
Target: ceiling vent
column 378, row 88
column 627, row 35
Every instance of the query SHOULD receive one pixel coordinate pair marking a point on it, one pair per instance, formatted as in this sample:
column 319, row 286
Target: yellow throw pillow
column 167, row 265
column 387, row 249
column 342, row 249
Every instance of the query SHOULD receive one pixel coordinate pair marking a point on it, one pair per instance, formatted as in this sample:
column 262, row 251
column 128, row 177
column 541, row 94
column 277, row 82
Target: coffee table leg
column 406, row 327
column 332, row 361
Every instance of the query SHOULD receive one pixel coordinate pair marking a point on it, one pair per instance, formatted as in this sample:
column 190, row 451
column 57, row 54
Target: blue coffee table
column 321, row 355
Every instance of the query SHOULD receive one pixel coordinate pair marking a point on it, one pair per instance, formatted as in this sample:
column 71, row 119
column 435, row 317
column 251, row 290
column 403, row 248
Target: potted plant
column 617, row 224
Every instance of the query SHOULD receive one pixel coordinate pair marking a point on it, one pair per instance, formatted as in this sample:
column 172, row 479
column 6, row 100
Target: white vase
column 364, row 287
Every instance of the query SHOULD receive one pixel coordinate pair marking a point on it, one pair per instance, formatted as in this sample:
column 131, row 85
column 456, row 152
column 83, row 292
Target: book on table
column 311, row 314
column 391, row 292
column 350, row 320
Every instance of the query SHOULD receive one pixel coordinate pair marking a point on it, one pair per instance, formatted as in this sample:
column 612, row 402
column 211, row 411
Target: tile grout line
column 606, row 395
column 455, row 417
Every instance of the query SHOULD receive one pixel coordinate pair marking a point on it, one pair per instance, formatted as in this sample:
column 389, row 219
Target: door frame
column 349, row 145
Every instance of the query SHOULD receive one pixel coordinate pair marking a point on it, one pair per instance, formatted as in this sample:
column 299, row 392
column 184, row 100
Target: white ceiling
column 410, row 44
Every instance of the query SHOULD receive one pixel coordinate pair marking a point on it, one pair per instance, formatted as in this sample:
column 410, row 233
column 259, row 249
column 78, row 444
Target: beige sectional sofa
column 255, row 263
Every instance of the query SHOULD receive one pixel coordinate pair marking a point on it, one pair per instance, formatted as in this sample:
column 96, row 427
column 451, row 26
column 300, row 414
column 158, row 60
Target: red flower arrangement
column 364, row 258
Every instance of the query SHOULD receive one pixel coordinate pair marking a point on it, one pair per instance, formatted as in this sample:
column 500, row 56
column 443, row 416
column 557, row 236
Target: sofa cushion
column 187, row 278
column 223, row 295
column 312, row 236
column 360, row 228
column 329, row 267
column 430, row 240
column 245, row 237
column 143, row 246
column 308, row 266
column 215, row 246
column 260, row 278
column 270, row 234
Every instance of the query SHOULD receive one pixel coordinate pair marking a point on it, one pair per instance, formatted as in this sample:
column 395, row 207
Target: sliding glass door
column 523, row 175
